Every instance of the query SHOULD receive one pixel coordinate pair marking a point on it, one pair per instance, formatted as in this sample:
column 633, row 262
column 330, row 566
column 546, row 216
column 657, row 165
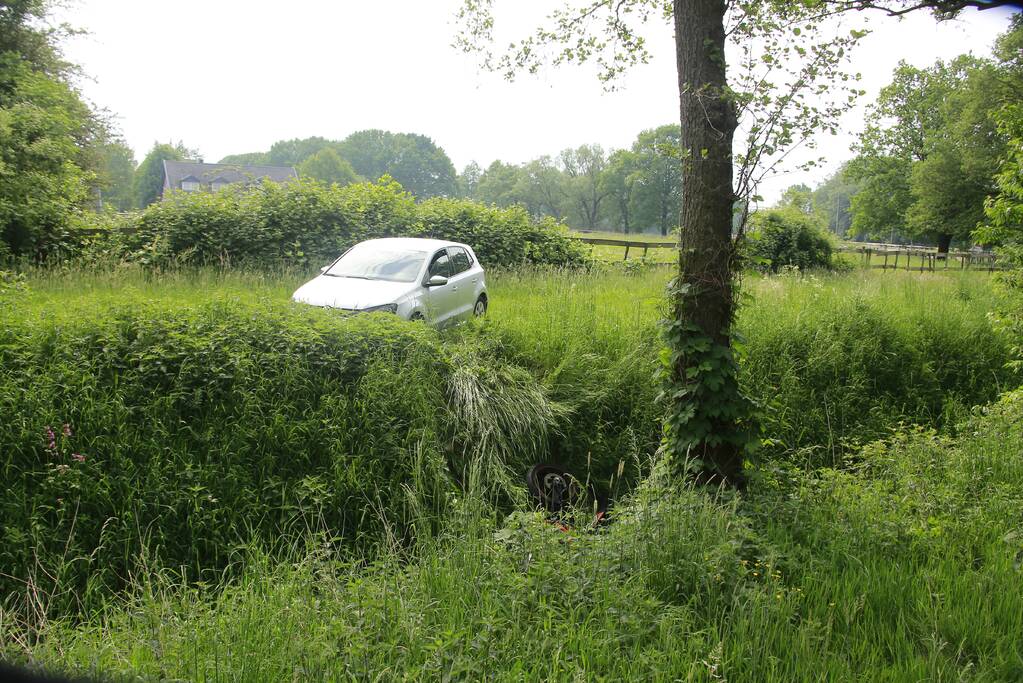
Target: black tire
column 480, row 308
column 556, row 490
column 417, row 317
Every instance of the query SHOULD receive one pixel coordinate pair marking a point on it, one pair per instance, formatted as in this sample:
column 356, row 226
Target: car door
column 441, row 301
column 465, row 281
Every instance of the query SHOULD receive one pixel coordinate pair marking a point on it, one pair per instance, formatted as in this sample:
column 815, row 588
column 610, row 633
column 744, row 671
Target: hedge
column 308, row 223
column 178, row 435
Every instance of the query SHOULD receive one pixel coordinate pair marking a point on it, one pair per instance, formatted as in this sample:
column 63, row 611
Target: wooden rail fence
column 645, row 245
column 923, row 258
column 883, row 256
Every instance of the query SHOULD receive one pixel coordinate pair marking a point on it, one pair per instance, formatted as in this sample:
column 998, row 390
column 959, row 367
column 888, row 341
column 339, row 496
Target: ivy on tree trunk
column 707, row 428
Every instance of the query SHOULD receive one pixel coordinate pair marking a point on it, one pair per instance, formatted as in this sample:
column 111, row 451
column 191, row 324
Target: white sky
column 231, row 76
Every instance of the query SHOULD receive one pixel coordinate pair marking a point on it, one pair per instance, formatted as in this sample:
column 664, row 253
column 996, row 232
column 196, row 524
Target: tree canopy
column 327, row 166
column 49, row 138
column 415, row 161
column 929, row 154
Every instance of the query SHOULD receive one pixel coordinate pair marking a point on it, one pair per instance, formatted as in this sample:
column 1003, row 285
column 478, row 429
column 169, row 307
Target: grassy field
column 906, row 569
column 833, row 360
column 335, row 498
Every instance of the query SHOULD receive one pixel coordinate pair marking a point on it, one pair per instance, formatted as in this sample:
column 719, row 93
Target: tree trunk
column 944, row 242
column 703, row 302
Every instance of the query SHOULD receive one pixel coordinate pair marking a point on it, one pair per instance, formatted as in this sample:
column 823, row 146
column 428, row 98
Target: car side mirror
column 437, row 281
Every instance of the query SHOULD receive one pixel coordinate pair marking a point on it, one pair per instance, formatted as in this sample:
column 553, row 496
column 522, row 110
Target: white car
column 417, row 279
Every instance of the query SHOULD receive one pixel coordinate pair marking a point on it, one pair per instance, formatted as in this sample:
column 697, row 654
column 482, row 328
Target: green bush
column 499, row 236
column 308, row 223
column 177, row 435
column 180, row 435
column 787, row 238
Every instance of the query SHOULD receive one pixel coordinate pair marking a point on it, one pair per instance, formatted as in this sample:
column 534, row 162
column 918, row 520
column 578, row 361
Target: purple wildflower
column 78, row 456
column 51, row 439
column 67, row 430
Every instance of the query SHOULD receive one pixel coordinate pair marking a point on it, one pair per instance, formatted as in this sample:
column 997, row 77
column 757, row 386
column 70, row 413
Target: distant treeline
column 628, row 189
column 939, row 144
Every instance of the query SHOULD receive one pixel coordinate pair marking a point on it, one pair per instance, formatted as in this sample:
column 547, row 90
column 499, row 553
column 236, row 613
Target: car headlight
column 386, row 308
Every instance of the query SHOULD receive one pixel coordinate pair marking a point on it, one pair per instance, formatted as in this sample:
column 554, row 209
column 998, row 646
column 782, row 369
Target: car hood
column 350, row 293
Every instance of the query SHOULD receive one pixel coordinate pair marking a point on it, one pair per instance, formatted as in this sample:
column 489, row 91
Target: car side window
column 459, row 260
column 440, row 265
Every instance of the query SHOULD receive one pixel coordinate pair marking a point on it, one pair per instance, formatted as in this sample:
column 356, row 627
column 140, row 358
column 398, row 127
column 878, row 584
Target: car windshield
column 379, row 263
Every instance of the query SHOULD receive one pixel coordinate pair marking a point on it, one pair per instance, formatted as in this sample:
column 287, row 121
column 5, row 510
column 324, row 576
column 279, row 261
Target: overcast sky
column 231, row 76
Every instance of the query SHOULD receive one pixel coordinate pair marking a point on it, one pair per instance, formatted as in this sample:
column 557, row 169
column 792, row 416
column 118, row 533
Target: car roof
column 411, row 243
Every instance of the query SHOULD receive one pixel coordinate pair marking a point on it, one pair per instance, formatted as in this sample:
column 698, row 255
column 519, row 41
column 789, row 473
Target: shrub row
column 202, row 427
column 308, row 223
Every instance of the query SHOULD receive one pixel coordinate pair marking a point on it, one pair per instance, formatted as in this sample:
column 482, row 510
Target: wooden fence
column 883, row 256
column 921, row 259
column 645, row 245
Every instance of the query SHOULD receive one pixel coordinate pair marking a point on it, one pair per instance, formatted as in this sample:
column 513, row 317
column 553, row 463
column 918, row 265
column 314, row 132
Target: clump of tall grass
column 906, row 568
column 503, row 419
column 838, row 361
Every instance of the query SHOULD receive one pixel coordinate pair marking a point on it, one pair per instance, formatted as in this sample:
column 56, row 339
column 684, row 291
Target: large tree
column 500, row 184
column 115, row 175
column 42, row 180
column 327, row 166
column 49, row 138
column 657, row 194
column 778, row 91
column 929, row 152
column 294, row 152
column 415, row 161
column 468, row 180
column 584, row 171
column 544, row 188
column 621, row 178
column 833, row 199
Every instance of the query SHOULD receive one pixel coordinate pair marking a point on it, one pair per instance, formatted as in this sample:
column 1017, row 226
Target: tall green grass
column 213, row 414
column 906, row 568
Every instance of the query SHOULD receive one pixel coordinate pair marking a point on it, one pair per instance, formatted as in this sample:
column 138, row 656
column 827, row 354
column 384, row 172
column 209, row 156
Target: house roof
column 176, row 171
